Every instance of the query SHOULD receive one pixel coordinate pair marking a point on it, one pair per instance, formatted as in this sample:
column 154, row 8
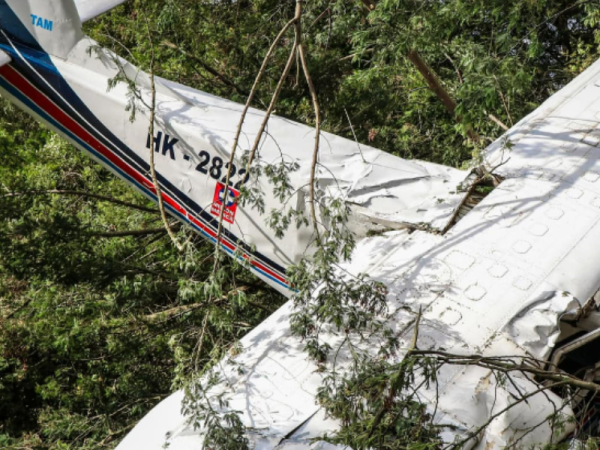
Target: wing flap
column 89, row 9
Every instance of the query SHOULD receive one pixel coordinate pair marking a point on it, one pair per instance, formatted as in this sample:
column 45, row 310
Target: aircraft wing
column 499, row 283
column 89, row 9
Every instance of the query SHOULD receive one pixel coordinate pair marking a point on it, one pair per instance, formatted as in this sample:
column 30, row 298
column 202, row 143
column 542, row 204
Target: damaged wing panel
column 526, row 254
column 385, row 187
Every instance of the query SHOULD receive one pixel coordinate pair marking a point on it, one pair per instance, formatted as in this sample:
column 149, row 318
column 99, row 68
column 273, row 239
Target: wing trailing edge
column 89, row 9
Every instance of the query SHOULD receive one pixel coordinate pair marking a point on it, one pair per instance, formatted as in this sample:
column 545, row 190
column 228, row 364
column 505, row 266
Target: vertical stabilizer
column 53, row 26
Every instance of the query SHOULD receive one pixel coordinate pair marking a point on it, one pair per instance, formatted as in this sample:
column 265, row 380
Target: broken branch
column 370, row 4
column 82, row 194
column 114, row 234
column 437, row 88
column 226, row 81
column 315, row 100
column 236, row 139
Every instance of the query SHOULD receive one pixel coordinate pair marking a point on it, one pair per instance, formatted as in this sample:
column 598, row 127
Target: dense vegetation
column 100, row 317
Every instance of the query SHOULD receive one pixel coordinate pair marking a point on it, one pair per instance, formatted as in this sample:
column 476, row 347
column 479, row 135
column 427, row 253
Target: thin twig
column 226, row 81
column 82, row 194
column 327, row 10
column 354, row 134
column 498, row 122
column 458, row 72
column 271, row 107
column 504, row 102
column 198, row 349
column 474, row 434
column 413, row 344
column 392, row 394
column 115, row 234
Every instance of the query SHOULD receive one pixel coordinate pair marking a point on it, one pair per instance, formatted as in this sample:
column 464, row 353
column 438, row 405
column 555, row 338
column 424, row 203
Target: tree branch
column 473, row 434
column 271, row 107
column 236, row 139
column 182, row 309
column 498, row 122
column 315, row 100
column 157, row 188
column 370, row 4
column 208, row 68
column 437, row 88
column 114, row 234
column 82, row 194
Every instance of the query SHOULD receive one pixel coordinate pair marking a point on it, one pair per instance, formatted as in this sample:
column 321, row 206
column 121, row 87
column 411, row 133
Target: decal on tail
column 53, row 26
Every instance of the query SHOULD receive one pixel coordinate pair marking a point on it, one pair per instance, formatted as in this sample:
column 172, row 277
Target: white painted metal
column 53, row 24
column 4, row 58
column 414, row 191
column 497, row 284
column 89, row 9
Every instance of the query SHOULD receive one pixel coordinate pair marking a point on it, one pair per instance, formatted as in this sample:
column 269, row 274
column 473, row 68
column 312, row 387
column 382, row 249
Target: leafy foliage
column 97, row 328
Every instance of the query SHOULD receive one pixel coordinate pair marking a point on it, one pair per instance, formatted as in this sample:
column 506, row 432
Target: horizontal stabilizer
column 4, row 58
column 88, row 9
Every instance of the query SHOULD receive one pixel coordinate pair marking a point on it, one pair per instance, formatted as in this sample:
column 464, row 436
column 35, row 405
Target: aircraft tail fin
column 52, row 26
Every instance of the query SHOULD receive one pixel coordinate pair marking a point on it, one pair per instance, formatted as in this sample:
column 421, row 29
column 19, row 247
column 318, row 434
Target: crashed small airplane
column 516, row 274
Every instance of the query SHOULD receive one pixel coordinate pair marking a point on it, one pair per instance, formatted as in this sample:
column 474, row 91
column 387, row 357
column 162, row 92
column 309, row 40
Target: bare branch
column 413, row 344
column 476, row 432
column 354, row 134
column 274, row 99
column 226, row 81
column 159, row 194
column 504, row 102
column 370, row 4
column 498, row 122
column 115, row 234
column 315, row 101
column 458, row 72
column 82, row 194
column 437, row 88
column 236, row 139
